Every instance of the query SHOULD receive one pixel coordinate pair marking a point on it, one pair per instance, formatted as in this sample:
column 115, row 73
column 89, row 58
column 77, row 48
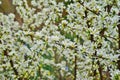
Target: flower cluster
column 60, row 40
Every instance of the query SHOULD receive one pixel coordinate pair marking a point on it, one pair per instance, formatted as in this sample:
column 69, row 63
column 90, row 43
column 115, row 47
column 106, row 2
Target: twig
column 100, row 70
column 75, row 68
column 118, row 62
column 11, row 62
column 14, row 69
column 119, row 32
column 96, row 13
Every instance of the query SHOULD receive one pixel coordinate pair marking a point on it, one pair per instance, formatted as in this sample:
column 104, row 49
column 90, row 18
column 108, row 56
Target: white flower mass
column 60, row 40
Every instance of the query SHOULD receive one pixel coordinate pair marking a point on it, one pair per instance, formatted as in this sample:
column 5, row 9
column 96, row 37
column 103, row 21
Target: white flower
column 64, row 22
column 33, row 3
column 54, row 38
column 0, row 2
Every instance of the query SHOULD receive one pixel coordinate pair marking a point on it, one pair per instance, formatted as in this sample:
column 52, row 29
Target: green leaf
column 47, row 56
column 48, row 67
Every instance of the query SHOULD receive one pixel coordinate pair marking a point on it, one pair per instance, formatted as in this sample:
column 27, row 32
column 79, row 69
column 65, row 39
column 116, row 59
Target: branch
column 118, row 62
column 96, row 13
column 100, row 70
column 119, row 31
column 14, row 69
column 75, row 68
column 11, row 62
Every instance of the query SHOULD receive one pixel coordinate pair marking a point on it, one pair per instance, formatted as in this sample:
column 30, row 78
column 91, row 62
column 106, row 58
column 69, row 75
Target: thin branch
column 75, row 68
column 118, row 62
column 100, row 70
column 96, row 13
column 112, row 38
column 119, row 32
column 14, row 69
column 11, row 62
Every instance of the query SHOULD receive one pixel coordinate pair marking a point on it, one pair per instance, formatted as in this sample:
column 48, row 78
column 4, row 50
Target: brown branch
column 100, row 70
column 14, row 69
column 40, row 73
column 75, row 68
column 108, row 8
column 119, row 31
column 118, row 62
column 91, row 37
column 94, row 55
column 102, row 32
column 112, row 38
column 11, row 62
column 60, row 76
column 94, row 12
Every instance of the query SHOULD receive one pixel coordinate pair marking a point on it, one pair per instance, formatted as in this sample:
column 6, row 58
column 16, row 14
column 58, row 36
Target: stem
column 94, row 12
column 39, row 70
column 91, row 37
column 60, row 76
column 100, row 70
column 11, row 62
column 14, row 69
column 118, row 62
column 119, row 31
column 94, row 71
column 75, row 68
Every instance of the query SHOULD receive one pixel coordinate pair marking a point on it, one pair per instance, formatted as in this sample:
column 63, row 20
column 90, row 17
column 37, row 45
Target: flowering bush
column 60, row 40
